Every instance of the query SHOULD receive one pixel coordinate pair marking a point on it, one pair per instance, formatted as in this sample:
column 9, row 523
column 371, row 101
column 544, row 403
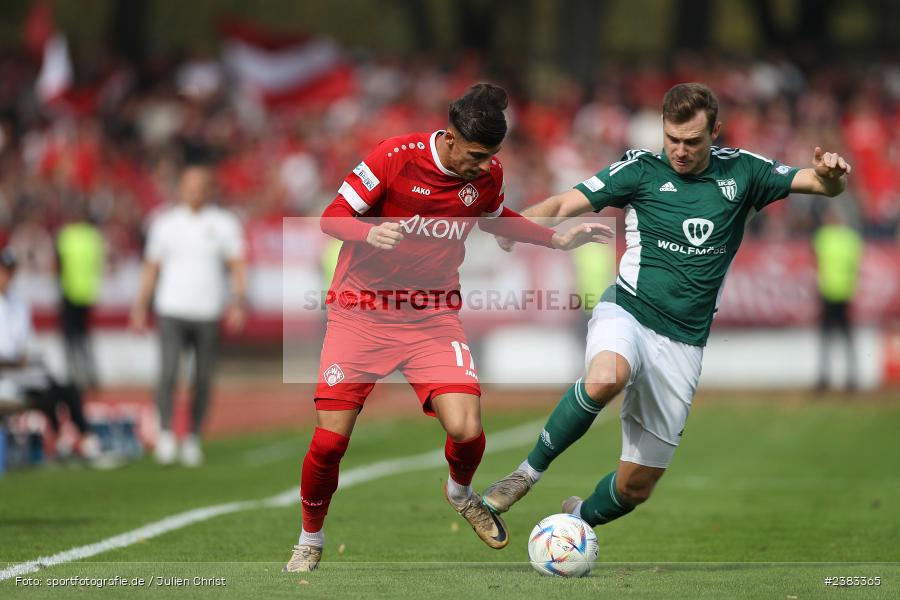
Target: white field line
column 271, row 453
column 497, row 442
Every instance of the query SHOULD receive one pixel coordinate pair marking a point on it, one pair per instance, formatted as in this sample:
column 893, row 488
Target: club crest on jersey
column 697, row 231
column 333, row 375
column 728, row 188
column 468, row 194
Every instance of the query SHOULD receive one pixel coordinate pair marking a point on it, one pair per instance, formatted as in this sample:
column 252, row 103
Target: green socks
column 571, row 418
column 605, row 504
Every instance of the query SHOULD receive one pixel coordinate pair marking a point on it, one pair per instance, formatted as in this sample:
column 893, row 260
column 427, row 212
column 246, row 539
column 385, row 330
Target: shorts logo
column 468, row 194
column 728, row 188
column 366, row 175
column 545, row 437
column 333, row 375
column 697, row 231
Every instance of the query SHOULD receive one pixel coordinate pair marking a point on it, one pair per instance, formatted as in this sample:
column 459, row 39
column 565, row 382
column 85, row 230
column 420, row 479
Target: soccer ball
column 563, row 545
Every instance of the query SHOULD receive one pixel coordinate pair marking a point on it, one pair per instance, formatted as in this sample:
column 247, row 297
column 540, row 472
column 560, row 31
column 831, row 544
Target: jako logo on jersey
column 333, row 375
column 468, row 194
column 437, row 228
column 728, row 187
column 420, row 190
column 366, row 175
column 697, row 231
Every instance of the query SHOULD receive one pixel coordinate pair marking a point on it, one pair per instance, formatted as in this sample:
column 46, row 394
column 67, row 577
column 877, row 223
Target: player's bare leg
column 607, row 374
column 460, row 415
column 616, row 495
column 318, row 482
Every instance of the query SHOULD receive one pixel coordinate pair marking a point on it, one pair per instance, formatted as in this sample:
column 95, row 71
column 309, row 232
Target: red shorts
column 432, row 354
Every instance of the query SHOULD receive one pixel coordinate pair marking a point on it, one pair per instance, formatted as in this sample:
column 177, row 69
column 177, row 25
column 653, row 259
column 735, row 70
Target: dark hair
column 8, row 259
column 478, row 116
column 195, row 154
column 682, row 102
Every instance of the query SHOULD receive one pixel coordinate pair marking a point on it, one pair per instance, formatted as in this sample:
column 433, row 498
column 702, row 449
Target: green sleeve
column 613, row 186
column 770, row 180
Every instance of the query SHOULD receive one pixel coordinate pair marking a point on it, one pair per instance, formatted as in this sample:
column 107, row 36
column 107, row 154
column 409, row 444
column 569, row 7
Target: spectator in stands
column 838, row 255
column 188, row 248
column 80, row 251
column 33, row 383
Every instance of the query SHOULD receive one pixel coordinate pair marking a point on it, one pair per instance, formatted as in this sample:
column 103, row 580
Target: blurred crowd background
column 103, row 101
column 104, row 139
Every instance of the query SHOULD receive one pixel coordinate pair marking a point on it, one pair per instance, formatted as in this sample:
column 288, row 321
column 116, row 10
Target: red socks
column 464, row 458
column 319, row 478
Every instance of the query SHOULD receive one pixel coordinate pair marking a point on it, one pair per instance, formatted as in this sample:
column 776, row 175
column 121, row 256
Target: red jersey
column 403, row 181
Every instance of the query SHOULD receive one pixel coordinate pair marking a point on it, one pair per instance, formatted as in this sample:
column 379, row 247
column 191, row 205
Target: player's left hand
column 581, row 235
column 236, row 317
column 829, row 165
column 505, row 243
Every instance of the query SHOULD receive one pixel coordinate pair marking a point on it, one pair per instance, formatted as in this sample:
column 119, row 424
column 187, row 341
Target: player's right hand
column 385, row 236
column 138, row 319
column 505, row 243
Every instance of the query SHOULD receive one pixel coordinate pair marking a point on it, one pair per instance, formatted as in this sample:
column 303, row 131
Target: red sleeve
column 365, row 186
column 514, row 226
column 339, row 221
column 496, row 206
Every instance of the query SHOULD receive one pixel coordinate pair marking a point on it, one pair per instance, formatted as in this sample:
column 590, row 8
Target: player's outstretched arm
column 552, row 211
column 582, row 234
column 827, row 177
column 515, row 227
column 558, row 208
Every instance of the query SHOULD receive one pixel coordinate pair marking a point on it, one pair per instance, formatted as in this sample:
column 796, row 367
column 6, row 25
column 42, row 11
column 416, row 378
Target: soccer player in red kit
column 394, row 300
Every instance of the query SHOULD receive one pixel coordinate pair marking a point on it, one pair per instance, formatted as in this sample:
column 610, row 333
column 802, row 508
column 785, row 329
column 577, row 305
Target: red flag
column 55, row 77
column 38, row 28
column 286, row 69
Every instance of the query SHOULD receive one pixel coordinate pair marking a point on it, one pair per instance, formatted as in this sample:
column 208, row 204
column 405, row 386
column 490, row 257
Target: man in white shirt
column 189, row 248
column 29, row 380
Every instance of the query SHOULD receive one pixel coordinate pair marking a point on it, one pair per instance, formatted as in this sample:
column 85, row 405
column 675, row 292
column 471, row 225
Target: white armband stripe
column 494, row 214
column 753, row 154
column 353, row 198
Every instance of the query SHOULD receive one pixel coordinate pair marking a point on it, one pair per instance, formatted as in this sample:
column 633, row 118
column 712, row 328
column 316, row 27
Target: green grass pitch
column 763, row 500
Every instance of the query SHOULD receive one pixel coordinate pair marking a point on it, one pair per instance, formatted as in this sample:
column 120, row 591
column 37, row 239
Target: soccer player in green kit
column 685, row 211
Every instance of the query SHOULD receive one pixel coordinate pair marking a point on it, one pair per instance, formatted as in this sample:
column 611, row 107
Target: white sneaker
column 304, row 559
column 572, row 506
column 191, row 453
column 90, row 446
column 65, row 447
column 501, row 495
column 166, row 448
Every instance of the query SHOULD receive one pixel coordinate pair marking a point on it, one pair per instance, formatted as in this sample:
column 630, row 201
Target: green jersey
column 682, row 232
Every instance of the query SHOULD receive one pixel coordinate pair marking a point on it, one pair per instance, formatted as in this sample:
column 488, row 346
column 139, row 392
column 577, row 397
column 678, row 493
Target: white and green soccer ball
column 563, row 545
